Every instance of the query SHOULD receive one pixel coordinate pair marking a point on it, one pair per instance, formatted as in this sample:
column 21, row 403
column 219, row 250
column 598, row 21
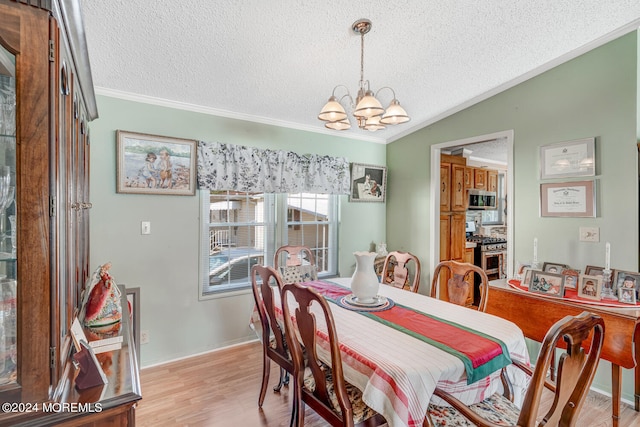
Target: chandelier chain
column 361, row 58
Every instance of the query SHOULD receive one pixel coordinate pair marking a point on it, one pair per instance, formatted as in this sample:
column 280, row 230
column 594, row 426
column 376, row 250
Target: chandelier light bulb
column 338, row 125
column 332, row 111
column 394, row 114
column 373, row 124
column 368, row 106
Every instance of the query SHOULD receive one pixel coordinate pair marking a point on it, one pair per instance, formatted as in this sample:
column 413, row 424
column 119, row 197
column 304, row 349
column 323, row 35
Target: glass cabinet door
column 8, row 242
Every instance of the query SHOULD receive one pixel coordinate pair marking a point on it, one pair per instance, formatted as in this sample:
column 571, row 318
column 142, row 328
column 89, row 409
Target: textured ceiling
column 278, row 61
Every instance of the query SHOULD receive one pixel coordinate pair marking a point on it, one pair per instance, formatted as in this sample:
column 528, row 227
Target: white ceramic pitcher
column 364, row 282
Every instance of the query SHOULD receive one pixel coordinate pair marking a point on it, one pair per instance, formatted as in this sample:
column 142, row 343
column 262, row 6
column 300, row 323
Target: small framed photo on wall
column 368, row 183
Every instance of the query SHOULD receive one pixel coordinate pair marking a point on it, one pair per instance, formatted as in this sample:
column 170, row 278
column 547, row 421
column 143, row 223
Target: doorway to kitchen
column 503, row 139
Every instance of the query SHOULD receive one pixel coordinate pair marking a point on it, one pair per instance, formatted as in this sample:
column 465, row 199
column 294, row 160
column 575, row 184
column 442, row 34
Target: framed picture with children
column 626, row 286
column 153, row 164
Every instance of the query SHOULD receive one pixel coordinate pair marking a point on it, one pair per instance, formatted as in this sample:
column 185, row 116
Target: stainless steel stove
column 490, row 255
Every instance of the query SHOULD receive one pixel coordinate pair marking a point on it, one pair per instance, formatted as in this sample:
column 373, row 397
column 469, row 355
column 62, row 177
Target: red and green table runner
column 480, row 353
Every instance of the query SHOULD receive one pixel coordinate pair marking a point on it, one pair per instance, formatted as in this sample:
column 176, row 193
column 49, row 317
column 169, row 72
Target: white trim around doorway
column 434, row 208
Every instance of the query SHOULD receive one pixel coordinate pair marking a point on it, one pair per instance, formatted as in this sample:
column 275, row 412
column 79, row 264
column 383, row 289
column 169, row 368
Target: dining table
column 398, row 351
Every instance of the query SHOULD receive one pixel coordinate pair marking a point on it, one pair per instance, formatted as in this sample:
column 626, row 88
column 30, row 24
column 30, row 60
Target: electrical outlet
column 589, row 234
column 144, row 337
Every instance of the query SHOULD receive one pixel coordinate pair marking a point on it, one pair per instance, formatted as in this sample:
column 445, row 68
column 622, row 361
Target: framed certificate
column 568, row 159
column 568, row 199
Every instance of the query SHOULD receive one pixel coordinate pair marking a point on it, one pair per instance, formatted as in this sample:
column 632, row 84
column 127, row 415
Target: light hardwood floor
column 221, row 389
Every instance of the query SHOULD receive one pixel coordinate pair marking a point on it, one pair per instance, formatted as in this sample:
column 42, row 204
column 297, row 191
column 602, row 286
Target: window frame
column 333, row 211
column 276, row 224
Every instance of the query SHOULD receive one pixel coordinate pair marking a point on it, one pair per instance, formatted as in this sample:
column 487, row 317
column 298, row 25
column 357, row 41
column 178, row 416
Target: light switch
column 145, row 227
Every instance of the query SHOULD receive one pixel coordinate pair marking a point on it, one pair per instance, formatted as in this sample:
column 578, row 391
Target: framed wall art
column 568, row 199
column 368, row 183
column 568, row 159
column 152, row 164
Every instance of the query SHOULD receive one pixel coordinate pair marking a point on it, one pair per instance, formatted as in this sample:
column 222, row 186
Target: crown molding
column 161, row 102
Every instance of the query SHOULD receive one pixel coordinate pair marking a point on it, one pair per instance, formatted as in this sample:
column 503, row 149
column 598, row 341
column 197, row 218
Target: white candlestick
column 535, row 249
column 607, row 256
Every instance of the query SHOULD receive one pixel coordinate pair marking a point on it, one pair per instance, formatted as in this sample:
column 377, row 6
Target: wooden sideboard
column 111, row 404
column 535, row 314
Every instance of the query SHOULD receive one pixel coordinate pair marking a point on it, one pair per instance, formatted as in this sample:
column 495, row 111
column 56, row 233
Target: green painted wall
column 594, row 95
column 165, row 264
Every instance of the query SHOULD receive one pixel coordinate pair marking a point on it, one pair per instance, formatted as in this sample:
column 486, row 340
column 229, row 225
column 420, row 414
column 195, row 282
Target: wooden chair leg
column 266, row 368
column 297, row 413
column 428, row 422
column 284, row 380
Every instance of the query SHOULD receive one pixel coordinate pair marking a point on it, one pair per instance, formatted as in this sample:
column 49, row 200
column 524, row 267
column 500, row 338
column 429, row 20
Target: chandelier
column 367, row 110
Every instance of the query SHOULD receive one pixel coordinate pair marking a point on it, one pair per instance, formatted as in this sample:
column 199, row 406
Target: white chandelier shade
column 367, row 109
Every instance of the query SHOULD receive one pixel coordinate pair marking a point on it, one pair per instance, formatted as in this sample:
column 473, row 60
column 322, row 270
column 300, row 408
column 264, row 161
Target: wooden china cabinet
column 46, row 102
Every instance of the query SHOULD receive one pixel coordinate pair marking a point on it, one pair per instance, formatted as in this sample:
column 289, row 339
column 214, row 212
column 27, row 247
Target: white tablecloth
column 398, row 373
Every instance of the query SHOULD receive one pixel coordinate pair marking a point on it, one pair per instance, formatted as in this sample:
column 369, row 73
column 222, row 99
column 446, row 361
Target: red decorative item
column 102, row 306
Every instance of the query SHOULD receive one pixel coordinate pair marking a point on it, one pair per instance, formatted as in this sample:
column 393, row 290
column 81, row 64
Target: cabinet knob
column 86, row 205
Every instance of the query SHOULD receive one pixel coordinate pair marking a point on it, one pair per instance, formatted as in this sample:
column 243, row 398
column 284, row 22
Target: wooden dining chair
column 395, row 271
column 274, row 345
column 459, row 286
column 296, row 264
column 576, row 370
column 316, row 384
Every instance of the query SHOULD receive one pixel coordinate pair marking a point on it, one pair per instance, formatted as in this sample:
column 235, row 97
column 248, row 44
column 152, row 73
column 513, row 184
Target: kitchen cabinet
column 445, row 187
column 480, row 178
column 458, row 192
column 453, row 205
column 47, row 101
column 452, row 236
column 469, row 178
column 445, row 236
column 458, row 239
column 492, row 180
column 452, row 244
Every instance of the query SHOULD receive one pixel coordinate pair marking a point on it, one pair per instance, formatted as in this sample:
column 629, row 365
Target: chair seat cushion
column 299, row 273
column 361, row 411
column 496, row 408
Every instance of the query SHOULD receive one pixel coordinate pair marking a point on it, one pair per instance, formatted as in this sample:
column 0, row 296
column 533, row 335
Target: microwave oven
column 480, row 199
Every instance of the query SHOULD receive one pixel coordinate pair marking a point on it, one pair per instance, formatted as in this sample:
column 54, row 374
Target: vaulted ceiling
column 277, row 62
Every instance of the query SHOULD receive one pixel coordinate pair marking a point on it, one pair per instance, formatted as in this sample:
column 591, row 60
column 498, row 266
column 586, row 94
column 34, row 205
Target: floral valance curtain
column 240, row 168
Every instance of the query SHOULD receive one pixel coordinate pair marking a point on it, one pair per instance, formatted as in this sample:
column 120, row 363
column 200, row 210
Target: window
column 240, row 230
column 312, row 222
